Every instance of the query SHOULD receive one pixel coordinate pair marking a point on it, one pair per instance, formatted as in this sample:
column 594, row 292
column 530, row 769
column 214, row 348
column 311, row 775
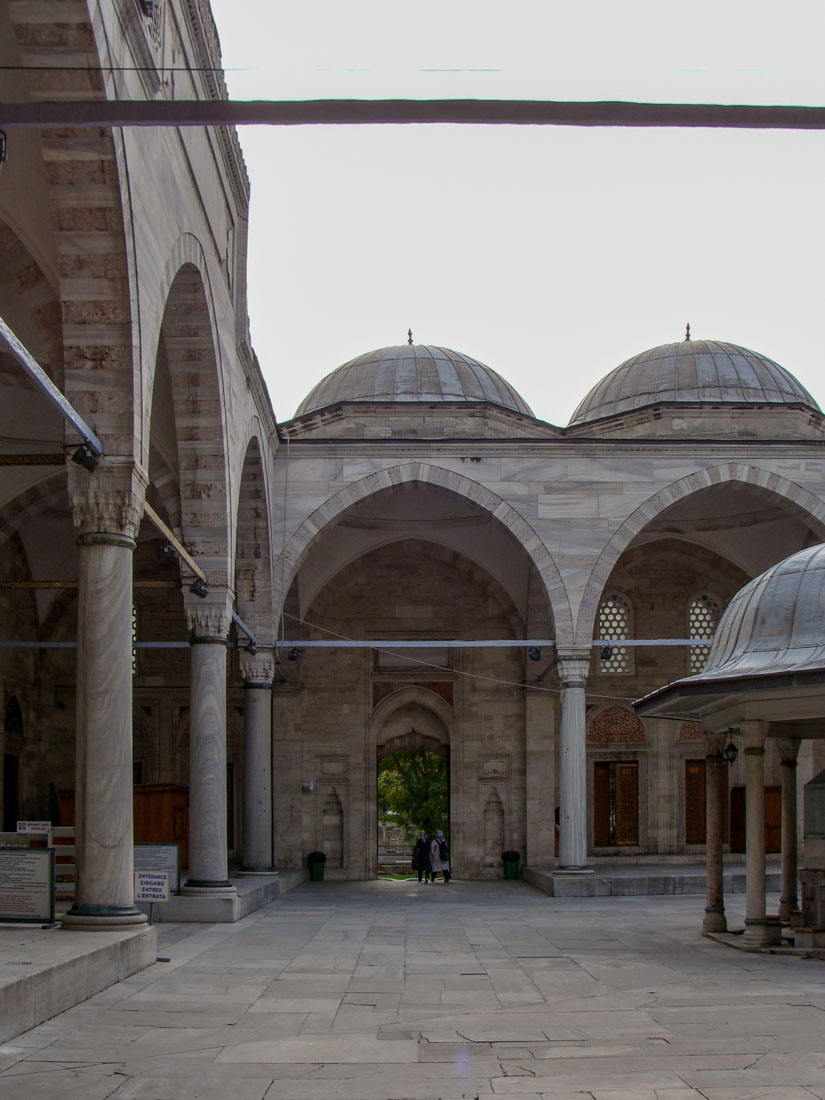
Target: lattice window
column 616, row 624
column 703, row 619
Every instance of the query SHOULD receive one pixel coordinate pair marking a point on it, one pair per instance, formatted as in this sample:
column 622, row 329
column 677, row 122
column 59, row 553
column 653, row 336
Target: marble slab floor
column 400, row 991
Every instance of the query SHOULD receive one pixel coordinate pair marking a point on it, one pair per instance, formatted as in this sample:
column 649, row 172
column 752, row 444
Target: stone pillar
column 208, row 620
column 107, row 505
column 572, row 669
column 258, row 672
column 715, row 794
column 754, row 735
column 789, row 900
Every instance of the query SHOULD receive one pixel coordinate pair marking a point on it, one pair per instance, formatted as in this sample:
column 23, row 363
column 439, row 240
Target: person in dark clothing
column 421, row 858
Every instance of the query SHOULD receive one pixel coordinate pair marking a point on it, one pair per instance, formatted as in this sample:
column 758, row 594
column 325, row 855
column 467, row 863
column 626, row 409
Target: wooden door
column 627, row 804
column 615, row 803
column 695, row 802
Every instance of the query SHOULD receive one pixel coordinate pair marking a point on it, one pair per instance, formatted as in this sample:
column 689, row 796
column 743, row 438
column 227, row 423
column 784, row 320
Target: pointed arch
column 426, row 474
column 253, row 560
column 798, row 500
column 189, row 343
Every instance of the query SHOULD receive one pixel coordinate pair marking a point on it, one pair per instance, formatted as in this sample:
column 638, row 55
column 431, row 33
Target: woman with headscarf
column 421, row 858
column 440, row 856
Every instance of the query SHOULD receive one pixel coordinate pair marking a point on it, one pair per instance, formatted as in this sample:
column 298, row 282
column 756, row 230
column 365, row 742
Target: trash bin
column 316, row 861
column 510, row 863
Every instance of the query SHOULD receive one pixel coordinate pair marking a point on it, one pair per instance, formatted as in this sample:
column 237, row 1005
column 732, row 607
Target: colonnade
column 760, row 929
column 107, row 510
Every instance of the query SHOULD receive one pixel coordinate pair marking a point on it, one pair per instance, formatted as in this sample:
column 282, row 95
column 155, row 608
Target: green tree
column 412, row 785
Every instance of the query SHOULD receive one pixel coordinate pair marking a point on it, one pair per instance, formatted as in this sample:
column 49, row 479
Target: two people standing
column 431, row 856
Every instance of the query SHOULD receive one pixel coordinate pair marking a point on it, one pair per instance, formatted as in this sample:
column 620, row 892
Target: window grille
column 703, row 618
column 615, row 624
column 134, row 638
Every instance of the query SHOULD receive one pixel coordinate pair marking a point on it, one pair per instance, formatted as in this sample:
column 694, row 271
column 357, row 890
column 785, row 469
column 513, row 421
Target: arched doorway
column 413, row 793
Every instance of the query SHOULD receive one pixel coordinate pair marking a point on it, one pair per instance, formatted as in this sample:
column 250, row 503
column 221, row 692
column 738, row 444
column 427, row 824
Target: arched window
column 615, row 624
column 703, row 618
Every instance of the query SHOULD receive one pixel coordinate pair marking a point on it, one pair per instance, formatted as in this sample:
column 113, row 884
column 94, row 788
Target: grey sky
column 551, row 254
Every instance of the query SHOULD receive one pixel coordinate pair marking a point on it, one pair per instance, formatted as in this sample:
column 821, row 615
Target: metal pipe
column 43, row 383
column 164, row 529
column 360, row 112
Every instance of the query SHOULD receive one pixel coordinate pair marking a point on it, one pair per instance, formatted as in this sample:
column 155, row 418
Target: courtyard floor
column 394, row 990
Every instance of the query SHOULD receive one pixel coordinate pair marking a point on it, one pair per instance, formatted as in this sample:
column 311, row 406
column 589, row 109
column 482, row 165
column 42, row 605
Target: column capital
column 788, row 750
column 208, row 618
column 572, row 665
column 109, row 500
column 754, row 734
column 257, row 669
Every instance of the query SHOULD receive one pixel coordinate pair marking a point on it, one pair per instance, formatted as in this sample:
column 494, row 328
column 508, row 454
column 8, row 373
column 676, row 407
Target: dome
column 774, row 624
column 413, row 373
column 692, row 372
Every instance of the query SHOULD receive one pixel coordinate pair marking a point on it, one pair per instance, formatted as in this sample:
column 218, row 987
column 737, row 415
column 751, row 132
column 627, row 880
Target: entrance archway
column 413, row 720
column 413, row 793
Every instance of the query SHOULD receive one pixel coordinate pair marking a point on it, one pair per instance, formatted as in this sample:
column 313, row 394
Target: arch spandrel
column 798, row 501
column 320, row 521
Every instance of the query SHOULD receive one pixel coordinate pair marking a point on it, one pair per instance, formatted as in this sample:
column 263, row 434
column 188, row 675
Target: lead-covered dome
column 413, row 373
column 692, row 372
column 774, row 624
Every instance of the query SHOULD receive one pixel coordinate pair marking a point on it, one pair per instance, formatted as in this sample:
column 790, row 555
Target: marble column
column 754, row 735
column 107, row 506
column 715, row 795
column 572, row 671
column 208, row 621
column 789, row 900
column 258, row 672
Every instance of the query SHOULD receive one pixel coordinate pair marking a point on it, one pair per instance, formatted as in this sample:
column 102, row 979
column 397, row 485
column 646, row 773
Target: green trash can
column 510, row 863
column 316, row 861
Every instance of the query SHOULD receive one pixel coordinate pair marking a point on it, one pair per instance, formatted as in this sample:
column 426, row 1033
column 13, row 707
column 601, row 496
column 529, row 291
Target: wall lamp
column 730, row 752
column 167, row 554
column 198, row 588
column 84, row 456
column 534, row 653
column 294, row 654
column 606, row 652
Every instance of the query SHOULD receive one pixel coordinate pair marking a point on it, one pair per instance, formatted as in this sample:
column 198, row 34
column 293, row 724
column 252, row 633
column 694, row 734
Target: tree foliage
column 412, row 785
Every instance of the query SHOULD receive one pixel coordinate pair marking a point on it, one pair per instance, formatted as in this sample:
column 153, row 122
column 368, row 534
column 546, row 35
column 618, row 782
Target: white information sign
column 40, row 828
column 160, row 857
column 27, row 885
column 151, row 886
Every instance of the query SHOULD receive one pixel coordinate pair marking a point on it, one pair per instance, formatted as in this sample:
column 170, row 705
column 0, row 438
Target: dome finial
column 409, row 336
column 687, row 331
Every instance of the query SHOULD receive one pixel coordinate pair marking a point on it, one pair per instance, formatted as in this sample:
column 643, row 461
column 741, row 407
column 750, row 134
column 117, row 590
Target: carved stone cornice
column 208, row 619
column 257, row 669
column 108, row 501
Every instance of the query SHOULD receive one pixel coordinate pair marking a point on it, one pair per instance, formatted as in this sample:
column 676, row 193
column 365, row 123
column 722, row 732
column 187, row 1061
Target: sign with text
column 160, row 857
column 37, row 828
column 151, row 886
column 27, row 885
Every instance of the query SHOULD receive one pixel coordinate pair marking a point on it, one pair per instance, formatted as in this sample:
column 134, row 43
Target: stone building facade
column 414, row 497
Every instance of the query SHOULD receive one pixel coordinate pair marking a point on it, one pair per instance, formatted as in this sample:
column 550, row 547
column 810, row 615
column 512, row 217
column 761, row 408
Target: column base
column 787, row 906
column 714, row 920
column 222, row 888
column 102, row 918
column 573, row 870
column 245, row 872
column 756, row 932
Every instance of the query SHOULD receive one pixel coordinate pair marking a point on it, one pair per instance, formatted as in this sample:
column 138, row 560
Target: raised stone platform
column 44, row 971
column 639, row 880
column 250, row 894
